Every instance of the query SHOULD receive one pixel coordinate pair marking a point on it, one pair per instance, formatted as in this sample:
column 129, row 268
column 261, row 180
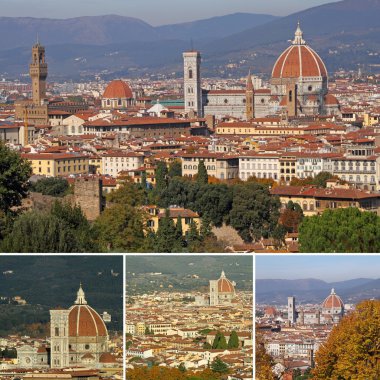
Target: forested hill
column 47, row 282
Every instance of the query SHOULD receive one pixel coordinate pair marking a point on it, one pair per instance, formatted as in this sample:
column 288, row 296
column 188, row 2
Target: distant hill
column 52, row 281
column 185, row 273
column 344, row 33
column 315, row 291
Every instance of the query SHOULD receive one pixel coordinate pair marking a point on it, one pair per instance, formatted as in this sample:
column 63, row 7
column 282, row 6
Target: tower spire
column 81, row 300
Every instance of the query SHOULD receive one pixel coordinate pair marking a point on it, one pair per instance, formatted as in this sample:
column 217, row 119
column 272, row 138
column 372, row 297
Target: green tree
column 202, row 176
column 161, row 177
column 14, row 175
column 128, row 193
column 166, row 234
column 233, row 341
column 352, row 350
column 182, row 367
column 39, row 232
column 219, row 341
column 175, row 169
column 219, row 366
column 254, row 212
column 192, row 237
column 56, row 187
column 120, row 228
column 179, row 243
column 341, row 230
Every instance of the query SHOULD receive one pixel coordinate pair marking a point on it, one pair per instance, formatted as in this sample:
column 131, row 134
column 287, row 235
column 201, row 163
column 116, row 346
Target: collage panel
column 189, row 317
column 317, row 317
column 61, row 317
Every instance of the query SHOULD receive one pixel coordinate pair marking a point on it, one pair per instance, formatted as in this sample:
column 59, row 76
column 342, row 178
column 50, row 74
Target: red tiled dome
column 225, row 285
column 333, row 301
column 85, row 321
column 299, row 60
column 118, row 89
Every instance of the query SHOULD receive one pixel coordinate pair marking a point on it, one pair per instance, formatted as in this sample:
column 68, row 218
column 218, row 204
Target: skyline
column 317, row 267
column 151, row 11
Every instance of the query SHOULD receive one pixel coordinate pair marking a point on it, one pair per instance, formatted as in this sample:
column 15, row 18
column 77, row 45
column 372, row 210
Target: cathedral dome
column 299, row 60
column 84, row 320
column 225, row 285
column 333, row 301
column 118, row 89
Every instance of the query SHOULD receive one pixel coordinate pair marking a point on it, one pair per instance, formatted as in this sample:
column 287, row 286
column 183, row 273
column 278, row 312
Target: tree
column 341, row 230
column 120, row 228
column 39, row 232
column 291, row 217
column 56, row 187
column 14, row 175
column 352, row 350
column 233, row 341
column 182, row 367
column 254, row 212
column 219, row 366
column 202, row 176
column 166, row 234
column 128, row 193
column 161, row 177
column 263, row 360
column 175, row 169
column 219, row 341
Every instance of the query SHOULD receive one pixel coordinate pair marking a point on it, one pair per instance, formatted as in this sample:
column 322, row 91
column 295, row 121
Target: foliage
column 128, row 193
column 320, row 180
column 342, row 230
column 219, row 341
column 352, row 350
column 161, row 181
column 14, row 176
column 120, row 228
column 166, row 234
column 8, row 353
column 62, row 229
column 219, row 366
column 254, row 212
column 202, row 176
column 56, row 187
column 291, row 217
column 263, row 361
column 175, row 169
column 233, row 341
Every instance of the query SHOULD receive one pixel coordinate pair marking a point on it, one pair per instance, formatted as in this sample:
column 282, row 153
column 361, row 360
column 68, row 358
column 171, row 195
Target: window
column 56, row 331
column 87, row 346
column 190, row 74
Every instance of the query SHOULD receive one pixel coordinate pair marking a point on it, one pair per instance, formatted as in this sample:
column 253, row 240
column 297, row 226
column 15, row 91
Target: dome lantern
column 298, row 36
column 81, row 300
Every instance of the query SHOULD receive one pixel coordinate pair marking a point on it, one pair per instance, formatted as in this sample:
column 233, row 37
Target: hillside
column 315, row 291
column 49, row 282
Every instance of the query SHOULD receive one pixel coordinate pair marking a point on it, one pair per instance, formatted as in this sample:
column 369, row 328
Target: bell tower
column 38, row 73
column 249, row 99
column 192, row 82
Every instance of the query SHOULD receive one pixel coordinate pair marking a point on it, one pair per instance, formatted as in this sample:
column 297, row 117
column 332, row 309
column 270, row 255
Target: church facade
column 221, row 293
column 78, row 337
column 298, row 87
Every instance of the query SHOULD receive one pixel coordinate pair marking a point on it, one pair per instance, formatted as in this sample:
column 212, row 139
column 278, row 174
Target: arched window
column 190, row 74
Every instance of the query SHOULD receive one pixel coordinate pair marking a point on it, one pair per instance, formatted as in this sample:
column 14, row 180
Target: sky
column 329, row 268
column 155, row 12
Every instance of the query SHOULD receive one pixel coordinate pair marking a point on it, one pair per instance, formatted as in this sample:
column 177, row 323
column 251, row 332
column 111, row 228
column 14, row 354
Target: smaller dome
column 106, row 357
column 333, row 301
column 225, row 285
column 118, row 89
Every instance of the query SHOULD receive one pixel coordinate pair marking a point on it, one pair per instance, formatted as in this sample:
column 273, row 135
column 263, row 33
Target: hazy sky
column 329, row 268
column 155, row 12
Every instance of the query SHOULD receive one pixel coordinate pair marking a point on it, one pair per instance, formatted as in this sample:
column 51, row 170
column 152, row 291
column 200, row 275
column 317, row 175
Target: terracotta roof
column 118, row 89
column 333, row 301
column 297, row 61
column 85, row 321
column 225, row 286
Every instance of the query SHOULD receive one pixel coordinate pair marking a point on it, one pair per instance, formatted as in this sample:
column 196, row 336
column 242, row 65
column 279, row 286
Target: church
column 298, row 87
column 331, row 311
column 221, row 293
column 78, row 337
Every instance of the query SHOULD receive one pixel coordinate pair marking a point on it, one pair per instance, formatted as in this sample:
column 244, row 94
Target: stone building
column 35, row 110
column 298, row 86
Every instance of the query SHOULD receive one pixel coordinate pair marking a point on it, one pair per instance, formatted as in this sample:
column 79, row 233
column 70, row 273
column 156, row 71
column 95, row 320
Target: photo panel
column 189, row 317
column 317, row 316
column 61, row 317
